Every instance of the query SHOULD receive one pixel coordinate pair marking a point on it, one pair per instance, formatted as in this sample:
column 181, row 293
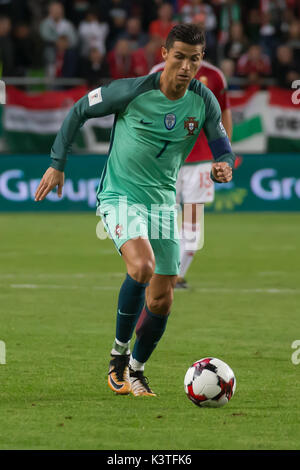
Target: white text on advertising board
column 266, row 184
column 13, row 187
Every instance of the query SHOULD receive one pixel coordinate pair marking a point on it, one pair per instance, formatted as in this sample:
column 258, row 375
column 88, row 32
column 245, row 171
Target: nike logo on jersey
column 145, row 122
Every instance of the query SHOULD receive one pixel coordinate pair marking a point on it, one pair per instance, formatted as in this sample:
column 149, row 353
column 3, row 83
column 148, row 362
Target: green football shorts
column 124, row 222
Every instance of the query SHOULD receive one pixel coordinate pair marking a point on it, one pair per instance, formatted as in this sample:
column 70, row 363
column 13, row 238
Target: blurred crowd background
column 252, row 41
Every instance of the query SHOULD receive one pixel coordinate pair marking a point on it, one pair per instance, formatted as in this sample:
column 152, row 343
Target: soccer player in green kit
column 157, row 120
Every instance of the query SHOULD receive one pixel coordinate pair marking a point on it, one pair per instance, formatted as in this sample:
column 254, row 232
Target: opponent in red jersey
column 194, row 186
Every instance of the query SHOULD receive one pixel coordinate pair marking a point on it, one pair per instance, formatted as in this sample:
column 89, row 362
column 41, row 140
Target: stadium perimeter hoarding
column 21, row 174
column 268, row 182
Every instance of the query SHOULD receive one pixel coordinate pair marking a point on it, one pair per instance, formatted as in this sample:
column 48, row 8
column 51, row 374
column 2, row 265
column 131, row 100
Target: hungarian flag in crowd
column 283, row 123
column 264, row 121
column 247, row 114
column 31, row 121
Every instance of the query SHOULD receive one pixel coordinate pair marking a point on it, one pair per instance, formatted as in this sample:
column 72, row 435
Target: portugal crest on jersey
column 170, row 121
column 191, row 125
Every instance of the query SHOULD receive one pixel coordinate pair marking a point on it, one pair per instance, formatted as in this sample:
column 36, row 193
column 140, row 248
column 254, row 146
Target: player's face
column 182, row 62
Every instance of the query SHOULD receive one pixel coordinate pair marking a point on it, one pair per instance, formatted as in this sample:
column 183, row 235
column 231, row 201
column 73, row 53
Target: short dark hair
column 188, row 33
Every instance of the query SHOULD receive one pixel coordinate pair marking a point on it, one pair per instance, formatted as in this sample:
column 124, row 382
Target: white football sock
column 189, row 244
column 185, row 261
column 120, row 348
column 136, row 365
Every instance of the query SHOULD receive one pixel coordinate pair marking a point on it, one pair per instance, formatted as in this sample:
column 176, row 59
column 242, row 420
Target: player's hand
column 222, row 172
column 50, row 180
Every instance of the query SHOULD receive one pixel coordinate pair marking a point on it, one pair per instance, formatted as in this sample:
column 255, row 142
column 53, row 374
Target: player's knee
column 143, row 269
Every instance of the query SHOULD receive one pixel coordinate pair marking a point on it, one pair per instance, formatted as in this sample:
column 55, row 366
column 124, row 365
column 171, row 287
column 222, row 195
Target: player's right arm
column 109, row 99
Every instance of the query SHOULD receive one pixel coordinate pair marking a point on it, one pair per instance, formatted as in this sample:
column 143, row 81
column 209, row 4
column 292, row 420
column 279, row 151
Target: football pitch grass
column 58, row 292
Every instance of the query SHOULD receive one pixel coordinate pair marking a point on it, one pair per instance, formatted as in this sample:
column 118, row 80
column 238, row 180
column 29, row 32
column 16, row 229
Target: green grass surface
column 58, row 291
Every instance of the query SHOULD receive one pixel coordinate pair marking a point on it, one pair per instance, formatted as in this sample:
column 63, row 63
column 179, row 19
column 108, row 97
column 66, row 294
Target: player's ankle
column 120, row 348
column 135, row 365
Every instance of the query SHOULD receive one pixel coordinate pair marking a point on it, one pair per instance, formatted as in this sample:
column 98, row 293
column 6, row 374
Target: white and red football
column 210, row 382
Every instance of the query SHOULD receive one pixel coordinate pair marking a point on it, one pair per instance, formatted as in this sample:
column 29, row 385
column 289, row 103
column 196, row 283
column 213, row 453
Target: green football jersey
column 151, row 137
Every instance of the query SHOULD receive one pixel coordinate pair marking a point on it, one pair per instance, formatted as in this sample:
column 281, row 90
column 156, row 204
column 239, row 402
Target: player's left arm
column 218, row 140
column 221, row 170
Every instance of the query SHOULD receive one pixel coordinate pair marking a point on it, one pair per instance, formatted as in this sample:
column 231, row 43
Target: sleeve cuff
column 229, row 158
column 58, row 164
